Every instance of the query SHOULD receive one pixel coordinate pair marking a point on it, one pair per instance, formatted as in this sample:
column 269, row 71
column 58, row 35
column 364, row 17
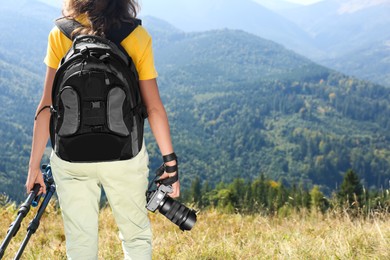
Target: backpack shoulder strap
column 67, row 26
column 117, row 35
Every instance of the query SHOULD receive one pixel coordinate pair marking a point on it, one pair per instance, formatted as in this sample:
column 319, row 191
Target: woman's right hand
column 35, row 176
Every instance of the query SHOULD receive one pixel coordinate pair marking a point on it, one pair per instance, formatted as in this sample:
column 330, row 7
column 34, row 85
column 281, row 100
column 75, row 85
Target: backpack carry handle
column 88, row 38
column 97, row 40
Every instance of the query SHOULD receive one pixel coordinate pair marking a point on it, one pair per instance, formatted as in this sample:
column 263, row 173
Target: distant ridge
column 245, row 15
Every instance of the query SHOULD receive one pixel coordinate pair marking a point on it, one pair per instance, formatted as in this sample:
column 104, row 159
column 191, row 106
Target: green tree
column 318, row 200
column 4, row 199
column 259, row 190
column 351, row 190
column 205, row 196
column 195, row 192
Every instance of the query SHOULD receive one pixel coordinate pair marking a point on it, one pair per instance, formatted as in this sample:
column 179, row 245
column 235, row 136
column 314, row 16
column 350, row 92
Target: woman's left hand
column 175, row 186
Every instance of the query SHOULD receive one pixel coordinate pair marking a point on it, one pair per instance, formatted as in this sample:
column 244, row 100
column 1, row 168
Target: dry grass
column 223, row 236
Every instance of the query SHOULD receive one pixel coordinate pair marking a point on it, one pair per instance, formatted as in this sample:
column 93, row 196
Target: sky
column 303, row 2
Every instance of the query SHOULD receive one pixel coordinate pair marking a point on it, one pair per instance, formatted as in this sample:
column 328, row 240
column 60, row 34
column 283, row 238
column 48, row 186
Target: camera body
column 176, row 212
column 157, row 198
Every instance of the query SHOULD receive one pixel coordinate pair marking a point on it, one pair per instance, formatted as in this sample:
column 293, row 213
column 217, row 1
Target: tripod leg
column 34, row 224
column 23, row 210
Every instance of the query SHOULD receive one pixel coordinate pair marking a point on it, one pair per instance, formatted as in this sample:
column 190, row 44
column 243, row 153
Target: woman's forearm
column 40, row 138
column 41, row 124
column 157, row 115
column 159, row 125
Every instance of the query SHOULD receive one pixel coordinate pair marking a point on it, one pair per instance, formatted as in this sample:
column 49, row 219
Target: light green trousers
column 79, row 191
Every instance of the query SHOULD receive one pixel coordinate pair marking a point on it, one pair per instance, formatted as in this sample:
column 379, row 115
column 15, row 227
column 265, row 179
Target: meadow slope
column 224, row 236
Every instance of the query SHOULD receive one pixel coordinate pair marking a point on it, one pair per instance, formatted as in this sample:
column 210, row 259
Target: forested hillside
column 19, row 98
column 239, row 106
column 24, row 27
column 246, row 106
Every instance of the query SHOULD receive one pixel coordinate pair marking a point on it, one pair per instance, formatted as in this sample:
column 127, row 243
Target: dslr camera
column 175, row 211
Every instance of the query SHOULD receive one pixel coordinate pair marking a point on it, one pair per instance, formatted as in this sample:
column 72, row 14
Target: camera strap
column 169, row 157
column 170, row 169
column 169, row 180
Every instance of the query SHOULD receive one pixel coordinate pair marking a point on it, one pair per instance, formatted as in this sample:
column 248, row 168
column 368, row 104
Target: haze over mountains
column 331, row 32
column 354, row 35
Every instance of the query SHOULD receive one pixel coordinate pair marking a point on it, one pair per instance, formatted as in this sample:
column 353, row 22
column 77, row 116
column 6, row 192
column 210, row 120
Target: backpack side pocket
column 69, row 112
column 115, row 116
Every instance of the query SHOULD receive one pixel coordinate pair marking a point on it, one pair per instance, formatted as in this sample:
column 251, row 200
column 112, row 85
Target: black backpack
column 98, row 113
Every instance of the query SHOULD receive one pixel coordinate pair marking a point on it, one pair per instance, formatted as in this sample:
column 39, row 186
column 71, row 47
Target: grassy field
column 223, row 236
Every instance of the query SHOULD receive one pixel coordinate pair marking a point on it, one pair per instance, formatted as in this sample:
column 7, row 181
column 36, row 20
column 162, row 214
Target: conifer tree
column 195, row 191
column 351, row 190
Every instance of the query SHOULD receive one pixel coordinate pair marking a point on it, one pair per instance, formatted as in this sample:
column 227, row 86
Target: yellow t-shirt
column 138, row 45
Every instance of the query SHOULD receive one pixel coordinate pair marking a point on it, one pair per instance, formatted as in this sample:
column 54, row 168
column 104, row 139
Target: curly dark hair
column 101, row 15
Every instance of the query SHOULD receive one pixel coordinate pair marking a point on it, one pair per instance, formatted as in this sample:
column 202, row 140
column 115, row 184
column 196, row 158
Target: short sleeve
column 139, row 46
column 57, row 46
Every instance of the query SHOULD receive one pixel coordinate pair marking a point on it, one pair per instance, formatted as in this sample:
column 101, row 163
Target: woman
column 125, row 182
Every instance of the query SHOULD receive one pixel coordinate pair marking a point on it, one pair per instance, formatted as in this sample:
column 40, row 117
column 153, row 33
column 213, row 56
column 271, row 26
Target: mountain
column 24, row 27
column 343, row 25
column 239, row 106
column 203, row 15
column 369, row 62
column 17, row 96
column 31, row 19
column 276, row 5
column 261, row 108
column 335, row 33
column 352, row 35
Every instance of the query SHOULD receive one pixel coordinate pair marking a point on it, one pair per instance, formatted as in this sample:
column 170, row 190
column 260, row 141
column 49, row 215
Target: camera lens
column 179, row 214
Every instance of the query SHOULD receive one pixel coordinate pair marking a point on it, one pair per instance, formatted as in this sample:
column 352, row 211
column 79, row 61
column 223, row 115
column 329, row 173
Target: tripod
column 32, row 199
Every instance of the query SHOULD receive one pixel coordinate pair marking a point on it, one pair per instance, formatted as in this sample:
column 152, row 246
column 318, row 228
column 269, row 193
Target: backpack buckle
column 84, row 51
column 97, row 129
column 95, row 104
